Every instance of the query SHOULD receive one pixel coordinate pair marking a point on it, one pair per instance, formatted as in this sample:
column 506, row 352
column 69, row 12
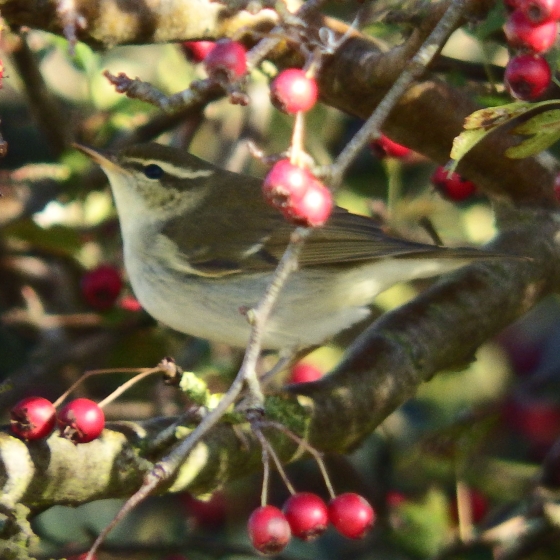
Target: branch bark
column 354, row 80
column 382, row 369
column 403, row 349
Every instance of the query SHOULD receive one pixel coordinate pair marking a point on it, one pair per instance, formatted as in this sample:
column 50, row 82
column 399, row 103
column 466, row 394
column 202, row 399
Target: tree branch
column 384, row 367
column 355, row 79
column 114, row 22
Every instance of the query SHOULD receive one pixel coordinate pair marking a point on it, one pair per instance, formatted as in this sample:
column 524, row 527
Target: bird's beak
column 106, row 161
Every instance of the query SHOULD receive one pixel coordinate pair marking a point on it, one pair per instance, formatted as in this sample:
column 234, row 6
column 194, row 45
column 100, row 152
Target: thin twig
column 270, row 451
column 464, row 511
column 168, row 435
column 200, row 92
column 91, row 373
column 309, row 448
column 167, row 466
column 417, row 65
column 284, row 360
column 276, row 35
column 266, row 475
column 296, row 145
column 127, row 385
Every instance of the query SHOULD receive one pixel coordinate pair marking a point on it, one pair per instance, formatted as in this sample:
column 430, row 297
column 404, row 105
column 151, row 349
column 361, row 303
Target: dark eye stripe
column 153, row 171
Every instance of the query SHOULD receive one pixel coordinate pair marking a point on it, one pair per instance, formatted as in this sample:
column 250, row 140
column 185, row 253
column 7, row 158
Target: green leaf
column 533, row 145
column 463, row 144
column 541, row 123
column 492, row 117
column 544, row 130
column 481, row 122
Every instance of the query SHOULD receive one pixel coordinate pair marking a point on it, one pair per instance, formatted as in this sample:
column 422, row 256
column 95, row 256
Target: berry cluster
column 289, row 187
column 292, row 189
column 306, row 516
column 298, row 194
column 80, row 421
column 531, row 28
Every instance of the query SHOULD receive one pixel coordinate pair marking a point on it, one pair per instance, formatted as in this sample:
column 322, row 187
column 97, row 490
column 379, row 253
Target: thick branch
column 117, row 22
column 354, row 80
column 440, row 329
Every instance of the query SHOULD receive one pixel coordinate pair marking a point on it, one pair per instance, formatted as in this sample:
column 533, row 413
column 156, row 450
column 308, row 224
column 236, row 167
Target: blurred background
column 479, row 434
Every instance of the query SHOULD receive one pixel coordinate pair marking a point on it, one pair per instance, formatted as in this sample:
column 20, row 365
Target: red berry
column 197, row 51
column 521, row 33
column 292, row 91
column 101, row 287
column 385, row 147
column 307, row 515
column 452, row 186
column 537, row 419
column 304, row 373
column 394, row 498
column 527, row 76
column 286, row 183
column 540, row 11
column 32, row 418
column 313, row 209
column 209, row 514
column 81, row 420
column 269, row 530
column 227, row 57
column 351, row 515
column 81, row 557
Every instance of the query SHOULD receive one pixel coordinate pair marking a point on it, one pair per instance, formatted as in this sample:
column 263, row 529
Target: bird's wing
column 345, row 238
column 350, row 238
column 252, row 236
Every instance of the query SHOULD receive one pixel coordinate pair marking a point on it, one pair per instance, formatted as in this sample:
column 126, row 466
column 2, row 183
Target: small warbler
column 200, row 244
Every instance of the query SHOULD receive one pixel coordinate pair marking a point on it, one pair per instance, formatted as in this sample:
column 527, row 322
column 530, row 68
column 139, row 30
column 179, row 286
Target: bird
column 201, row 244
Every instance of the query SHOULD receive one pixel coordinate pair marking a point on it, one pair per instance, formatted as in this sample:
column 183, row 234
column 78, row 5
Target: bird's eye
column 153, row 171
